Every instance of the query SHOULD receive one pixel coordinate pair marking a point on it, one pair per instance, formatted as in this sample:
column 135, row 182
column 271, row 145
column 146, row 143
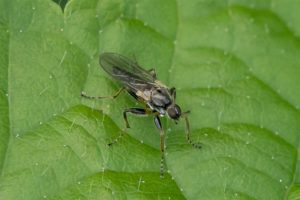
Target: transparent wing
column 128, row 72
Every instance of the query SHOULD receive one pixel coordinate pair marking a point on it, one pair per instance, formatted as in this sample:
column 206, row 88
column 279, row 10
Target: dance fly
column 157, row 99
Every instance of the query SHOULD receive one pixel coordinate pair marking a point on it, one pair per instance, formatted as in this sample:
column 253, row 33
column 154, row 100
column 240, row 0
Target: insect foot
column 122, row 134
column 196, row 145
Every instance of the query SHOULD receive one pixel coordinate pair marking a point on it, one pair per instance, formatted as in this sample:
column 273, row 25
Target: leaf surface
column 235, row 65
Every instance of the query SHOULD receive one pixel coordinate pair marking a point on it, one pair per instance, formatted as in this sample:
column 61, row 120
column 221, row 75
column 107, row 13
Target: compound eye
column 174, row 112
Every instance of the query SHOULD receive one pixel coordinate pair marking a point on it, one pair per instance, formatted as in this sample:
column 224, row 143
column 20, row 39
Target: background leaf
column 294, row 192
column 235, row 65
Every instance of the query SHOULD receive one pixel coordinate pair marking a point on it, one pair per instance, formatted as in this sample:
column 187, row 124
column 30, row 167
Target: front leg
column 173, row 93
column 187, row 131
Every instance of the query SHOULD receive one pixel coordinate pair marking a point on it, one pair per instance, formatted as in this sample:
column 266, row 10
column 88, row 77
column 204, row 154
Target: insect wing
column 128, row 72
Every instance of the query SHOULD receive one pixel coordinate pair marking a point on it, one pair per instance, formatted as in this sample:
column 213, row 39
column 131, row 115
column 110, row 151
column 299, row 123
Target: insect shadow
column 157, row 99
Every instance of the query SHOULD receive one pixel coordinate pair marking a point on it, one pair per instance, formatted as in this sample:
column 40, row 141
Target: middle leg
column 136, row 111
column 162, row 144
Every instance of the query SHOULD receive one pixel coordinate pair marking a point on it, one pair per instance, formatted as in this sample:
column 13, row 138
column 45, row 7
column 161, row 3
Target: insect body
column 158, row 99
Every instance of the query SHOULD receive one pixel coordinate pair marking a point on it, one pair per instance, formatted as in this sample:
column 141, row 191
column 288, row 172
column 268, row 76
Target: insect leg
column 104, row 97
column 187, row 131
column 152, row 72
column 116, row 139
column 136, row 111
column 162, row 144
column 173, row 93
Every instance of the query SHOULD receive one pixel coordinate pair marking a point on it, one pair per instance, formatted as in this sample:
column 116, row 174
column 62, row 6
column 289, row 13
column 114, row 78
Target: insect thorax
column 160, row 100
column 156, row 98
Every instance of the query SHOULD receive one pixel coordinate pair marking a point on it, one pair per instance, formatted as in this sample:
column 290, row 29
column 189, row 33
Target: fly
column 157, row 98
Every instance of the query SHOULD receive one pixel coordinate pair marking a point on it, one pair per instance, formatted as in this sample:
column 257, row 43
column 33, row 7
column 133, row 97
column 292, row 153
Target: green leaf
column 294, row 193
column 235, row 65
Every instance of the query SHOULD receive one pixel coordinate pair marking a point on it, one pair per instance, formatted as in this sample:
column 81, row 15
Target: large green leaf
column 235, row 65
